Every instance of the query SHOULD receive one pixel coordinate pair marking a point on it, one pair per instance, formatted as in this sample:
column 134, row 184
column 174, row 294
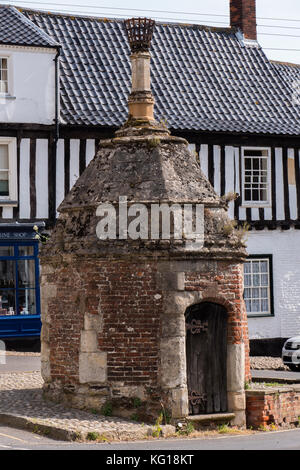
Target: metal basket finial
column 139, row 32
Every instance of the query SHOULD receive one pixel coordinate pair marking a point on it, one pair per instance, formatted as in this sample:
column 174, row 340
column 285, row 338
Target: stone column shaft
column 141, row 102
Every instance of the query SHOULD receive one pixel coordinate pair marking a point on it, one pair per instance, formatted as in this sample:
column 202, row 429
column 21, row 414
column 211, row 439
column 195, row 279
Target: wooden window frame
column 8, row 93
column 12, row 198
column 268, row 258
column 258, row 204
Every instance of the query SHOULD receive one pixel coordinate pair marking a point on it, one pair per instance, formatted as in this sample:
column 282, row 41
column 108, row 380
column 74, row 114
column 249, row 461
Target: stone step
column 210, row 420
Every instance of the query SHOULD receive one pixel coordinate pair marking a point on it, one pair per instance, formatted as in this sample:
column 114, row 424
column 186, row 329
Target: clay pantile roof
column 203, row 79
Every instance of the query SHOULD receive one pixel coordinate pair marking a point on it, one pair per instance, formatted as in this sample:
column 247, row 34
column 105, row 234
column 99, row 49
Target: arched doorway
column 206, row 354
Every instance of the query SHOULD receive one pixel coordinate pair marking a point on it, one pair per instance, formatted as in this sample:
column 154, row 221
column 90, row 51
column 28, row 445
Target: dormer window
column 4, row 75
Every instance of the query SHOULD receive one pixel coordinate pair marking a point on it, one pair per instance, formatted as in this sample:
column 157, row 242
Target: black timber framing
column 16, row 209
column 67, row 156
column 211, row 168
column 286, row 195
column 35, row 131
column 197, row 137
column 297, row 174
column 51, row 180
column 82, row 156
column 273, row 183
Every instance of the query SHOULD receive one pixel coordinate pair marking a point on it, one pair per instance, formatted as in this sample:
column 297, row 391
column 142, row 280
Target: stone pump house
column 156, row 320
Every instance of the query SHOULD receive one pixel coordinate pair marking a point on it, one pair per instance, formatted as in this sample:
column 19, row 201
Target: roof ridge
column 120, row 20
column 289, row 64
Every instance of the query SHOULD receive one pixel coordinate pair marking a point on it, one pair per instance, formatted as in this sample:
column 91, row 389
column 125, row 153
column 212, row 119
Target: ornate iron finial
column 139, row 31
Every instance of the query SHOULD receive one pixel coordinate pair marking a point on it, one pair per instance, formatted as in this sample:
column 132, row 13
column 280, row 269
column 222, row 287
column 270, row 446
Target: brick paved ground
column 21, row 403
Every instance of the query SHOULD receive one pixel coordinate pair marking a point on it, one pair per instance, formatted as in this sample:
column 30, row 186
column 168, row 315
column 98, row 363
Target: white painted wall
column 284, row 246
column 232, row 183
column 31, row 74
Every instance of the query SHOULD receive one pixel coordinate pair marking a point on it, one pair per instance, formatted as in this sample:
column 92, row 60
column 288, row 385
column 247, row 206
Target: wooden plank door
column 206, row 354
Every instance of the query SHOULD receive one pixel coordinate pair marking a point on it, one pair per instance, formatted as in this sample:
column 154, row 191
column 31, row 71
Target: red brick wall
column 243, row 16
column 130, row 304
column 130, row 313
column 64, row 311
column 273, row 407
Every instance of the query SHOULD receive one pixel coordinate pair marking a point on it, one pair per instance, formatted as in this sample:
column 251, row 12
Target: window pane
column 264, row 292
column 248, row 195
column 248, row 163
column 3, row 63
column 7, row 273
column 257, row 288
column 3, row 86
column 3, row 76
column 265, row 305
column 247, row 293
column 264, row 164
column 26, row 251
column 26, row 273
column 3, row 157
column 4, row 183
column 263, row 196
column 255, row 266
column 7, row 302
column 264, row 280
column 263, row 266
column 4, row 177
column 27, row 304
column 255, row 293
column 247, row 267
column 6, row 250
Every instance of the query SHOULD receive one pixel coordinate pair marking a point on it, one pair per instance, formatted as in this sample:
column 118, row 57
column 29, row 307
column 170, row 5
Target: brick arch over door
column 236, row 316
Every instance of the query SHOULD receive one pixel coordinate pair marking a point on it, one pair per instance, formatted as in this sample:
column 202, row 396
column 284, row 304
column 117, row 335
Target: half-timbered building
column 65, row 82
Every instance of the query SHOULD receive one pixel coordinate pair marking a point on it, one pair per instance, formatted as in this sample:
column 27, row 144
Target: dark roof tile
column 202, row 79
column 16, row 29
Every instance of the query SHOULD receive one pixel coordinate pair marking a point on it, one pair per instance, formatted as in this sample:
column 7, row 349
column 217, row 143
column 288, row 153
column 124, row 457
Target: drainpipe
column 56, row 137
column 52, row 209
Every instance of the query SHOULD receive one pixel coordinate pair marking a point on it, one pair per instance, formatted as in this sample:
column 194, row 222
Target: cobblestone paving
column 267, row 363
column 21, row 396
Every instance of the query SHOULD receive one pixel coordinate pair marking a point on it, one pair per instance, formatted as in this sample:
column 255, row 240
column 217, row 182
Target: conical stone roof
column 145, row 166
column 152, row 168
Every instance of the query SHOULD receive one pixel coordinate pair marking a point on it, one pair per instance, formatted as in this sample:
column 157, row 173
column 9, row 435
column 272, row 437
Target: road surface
column 279, row 440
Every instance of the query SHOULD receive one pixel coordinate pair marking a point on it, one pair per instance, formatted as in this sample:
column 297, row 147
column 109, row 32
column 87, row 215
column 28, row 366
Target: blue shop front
column 19, row 282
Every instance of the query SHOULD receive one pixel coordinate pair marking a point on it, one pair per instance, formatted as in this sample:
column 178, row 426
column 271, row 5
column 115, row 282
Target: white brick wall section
column 284, row 246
